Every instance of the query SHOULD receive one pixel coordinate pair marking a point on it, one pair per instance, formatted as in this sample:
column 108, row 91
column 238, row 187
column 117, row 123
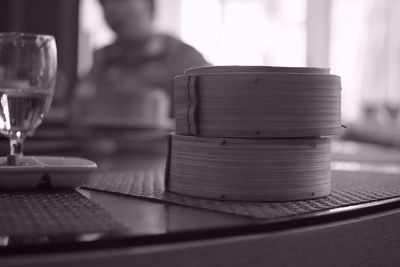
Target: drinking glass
column 28, row 70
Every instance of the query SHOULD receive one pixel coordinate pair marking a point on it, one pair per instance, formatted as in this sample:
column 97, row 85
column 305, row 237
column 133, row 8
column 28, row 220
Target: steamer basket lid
column 264, row 69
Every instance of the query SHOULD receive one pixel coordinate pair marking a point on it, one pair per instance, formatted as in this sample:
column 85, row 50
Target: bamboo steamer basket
column 257, row 102
column 249, row 169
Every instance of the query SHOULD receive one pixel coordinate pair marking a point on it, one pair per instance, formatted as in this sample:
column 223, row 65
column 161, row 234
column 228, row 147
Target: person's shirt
column 124, row 70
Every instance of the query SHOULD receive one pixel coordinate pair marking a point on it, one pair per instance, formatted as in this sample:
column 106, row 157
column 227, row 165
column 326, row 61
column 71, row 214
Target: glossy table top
column 151, row 222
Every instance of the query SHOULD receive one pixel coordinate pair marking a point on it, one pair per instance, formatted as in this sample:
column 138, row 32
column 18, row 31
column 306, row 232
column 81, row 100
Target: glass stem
column 16, row 147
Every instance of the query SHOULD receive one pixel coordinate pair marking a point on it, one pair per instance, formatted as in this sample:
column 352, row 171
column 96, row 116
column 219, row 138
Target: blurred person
column 132, row 79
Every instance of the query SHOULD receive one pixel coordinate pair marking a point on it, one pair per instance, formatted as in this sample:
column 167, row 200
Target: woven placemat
column 52, row 213
column 348, row 188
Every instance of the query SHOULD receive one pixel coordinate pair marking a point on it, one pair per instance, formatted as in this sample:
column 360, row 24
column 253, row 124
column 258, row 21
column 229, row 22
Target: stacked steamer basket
column 253, row 133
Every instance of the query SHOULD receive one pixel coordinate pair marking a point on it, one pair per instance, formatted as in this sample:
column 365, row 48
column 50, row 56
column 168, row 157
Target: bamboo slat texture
column 235, row 69
column 250, row 133
column 249, row 169
column 257, row 102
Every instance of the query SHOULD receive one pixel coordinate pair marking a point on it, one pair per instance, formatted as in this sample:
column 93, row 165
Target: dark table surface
column 170, row 224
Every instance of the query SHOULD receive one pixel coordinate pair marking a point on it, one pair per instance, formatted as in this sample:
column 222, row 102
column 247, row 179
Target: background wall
column 358, row 39
column 55, row 17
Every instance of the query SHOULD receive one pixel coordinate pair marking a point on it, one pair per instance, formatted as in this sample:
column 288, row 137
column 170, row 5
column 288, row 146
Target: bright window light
column 252, row 32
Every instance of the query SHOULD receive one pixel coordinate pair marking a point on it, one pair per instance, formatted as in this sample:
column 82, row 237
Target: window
column 365, row 51
column 247, row 32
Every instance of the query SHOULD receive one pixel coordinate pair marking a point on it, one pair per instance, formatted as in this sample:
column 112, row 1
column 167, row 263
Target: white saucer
column 41, row 172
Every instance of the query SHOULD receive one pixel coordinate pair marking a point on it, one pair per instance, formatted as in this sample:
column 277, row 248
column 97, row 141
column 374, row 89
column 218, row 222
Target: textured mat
column 348, row 188
column 52, row 213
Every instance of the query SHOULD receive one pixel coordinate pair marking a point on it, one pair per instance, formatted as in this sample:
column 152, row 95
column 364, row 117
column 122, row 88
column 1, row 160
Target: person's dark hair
column 152, row 4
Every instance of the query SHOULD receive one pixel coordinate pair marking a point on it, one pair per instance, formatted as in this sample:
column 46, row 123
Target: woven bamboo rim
column 262, row 69
column 249, row 169
column 277, row 103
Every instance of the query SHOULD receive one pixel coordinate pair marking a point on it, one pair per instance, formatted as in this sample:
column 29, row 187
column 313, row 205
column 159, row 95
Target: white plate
column 40, row 172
